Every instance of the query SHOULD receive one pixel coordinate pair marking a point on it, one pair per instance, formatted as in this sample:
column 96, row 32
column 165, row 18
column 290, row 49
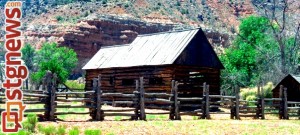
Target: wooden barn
column 185, row 56
column 292, row 83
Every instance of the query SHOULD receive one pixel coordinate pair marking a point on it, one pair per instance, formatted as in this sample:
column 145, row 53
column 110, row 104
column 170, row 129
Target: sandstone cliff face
column 89, row 36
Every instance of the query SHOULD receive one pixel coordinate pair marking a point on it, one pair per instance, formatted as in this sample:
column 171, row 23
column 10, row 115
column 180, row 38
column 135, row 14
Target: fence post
column 44, row 83
column 172, row 109
column 237, row 103
column 232, row 111
column 99, row 93
column 177, row 116
column 207, row 103
column 94, row 105
column 285, row 110
column 53, row 96
column 281, row 108
column 203, row 101
column 258, row 107
column 142, row 100
column 136, row 100
column 262, row 103
column 48, row 88
column 299, row 114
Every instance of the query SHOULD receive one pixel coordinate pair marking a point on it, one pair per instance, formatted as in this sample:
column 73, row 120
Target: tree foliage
column 28, row 53
column 59, row 60
column 255, row 54
column 240, row 60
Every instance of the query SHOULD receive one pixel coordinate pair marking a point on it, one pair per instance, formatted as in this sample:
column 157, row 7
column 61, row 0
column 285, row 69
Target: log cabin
column 185, row 56
column 292, row 83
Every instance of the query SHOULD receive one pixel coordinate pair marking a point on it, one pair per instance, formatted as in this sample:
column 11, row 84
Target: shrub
column 250, row 94
column 30, row 123
column 126, row 5
column 40, row 128
column 59, row 18
column 104, row 2
column 49, row 130
column 74, row 131
column 74, row 84
column 86, row 14
column 150, row 117
column 61, row 130
column 23, row 132
column 118, row 118
column 92, row 132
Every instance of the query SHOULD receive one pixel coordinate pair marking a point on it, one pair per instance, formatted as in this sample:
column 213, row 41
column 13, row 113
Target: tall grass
column 74, row 131
column 92, row 132
column 74, row 84
column 30, row 123
column 250, row 94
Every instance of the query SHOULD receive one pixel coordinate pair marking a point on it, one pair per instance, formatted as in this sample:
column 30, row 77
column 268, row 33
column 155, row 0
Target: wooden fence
column 139, row 101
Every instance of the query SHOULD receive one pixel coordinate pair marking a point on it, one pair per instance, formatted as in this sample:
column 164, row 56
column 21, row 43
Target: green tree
column 59, row 60
column 28, row 53
column 258, row 55
column 243, row 58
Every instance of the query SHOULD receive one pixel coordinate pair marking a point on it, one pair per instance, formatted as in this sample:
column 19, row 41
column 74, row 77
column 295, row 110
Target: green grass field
column 189, row 127
column 159, row 124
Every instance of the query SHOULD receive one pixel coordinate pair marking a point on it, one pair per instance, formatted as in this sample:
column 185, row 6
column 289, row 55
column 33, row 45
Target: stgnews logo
column 15, row 71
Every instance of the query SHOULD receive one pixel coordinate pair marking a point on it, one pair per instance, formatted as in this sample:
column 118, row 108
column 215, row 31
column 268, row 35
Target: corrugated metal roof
column 296, row 77
column 150, row 49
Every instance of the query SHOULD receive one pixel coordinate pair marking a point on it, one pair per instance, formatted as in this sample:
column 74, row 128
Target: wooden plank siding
column 293, row 88
column 190, row 78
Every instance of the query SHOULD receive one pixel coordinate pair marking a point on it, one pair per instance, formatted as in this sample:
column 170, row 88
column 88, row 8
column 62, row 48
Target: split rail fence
column 136, row 104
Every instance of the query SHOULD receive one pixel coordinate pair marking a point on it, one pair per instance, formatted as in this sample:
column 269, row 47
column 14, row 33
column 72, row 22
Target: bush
column 59, row 18
column 74, row 84
column 49, row 130
column 250, row 94
column 104, row 2
column 118, row 118
column 92, row 132
column 23, row 132
column 30, row 123
column 74, row 131
column 61, row 130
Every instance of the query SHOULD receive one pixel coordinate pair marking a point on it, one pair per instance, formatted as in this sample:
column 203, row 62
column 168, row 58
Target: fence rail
column 138, row 101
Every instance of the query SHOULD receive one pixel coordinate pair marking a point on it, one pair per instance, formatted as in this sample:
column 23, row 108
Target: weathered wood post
column 260, row 103
column 203, row 101
column 172, row 108
column 177, row 116
column 232, row 110
column 48, row 87
column 207, row 102
column 237, row 103
column 258, row 108
column 136, row 100
column 99, row 115
column 298, row 113
column 142, row 100
column 44, row 83
column 281, row 108
column 93, row 110
column 285, row 106
column 53, row 96
column 262, row 98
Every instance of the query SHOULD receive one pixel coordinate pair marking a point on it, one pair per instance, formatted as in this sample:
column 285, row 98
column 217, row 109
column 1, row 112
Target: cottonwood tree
column 28, row 54
column 59, row 60
column 285, row 26
column 266, row 47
